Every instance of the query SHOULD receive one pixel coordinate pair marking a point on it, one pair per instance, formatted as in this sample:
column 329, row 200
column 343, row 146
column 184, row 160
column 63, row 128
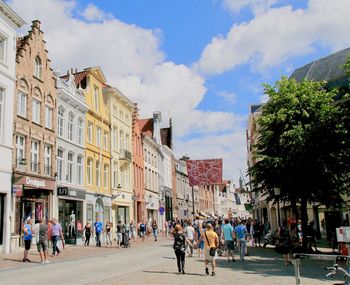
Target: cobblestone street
column 153, row 263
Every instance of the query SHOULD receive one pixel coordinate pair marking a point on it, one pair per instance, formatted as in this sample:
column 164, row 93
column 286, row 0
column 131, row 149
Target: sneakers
column 24, row 260
column 207, row 270
column 47, row 261
column 213, row 273
column 28, row 260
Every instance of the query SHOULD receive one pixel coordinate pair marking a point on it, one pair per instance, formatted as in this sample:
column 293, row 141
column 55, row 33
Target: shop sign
column 35, row 182
column 62, row 191
column 17, row 190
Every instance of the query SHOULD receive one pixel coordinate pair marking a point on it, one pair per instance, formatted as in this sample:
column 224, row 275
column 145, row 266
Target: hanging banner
column 204, row 172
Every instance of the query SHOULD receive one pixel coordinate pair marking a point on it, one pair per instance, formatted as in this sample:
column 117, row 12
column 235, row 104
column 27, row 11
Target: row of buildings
column 73, row 147
column 328, row 69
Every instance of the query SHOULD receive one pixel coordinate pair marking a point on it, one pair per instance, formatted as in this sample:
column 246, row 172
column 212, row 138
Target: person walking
column 42, row 241
column 98, row 225
column 143, row 230
column 27, row 237
column 190, row 235
column 155, row 230
column 56, row 234
column 87, row 231
column 119, row 232
column 241, row 235
column 133, row 231
column 228, row 237
column 108, row 233
column 285, row 242
column 211, row 243
column 180, row 247
column 199, row 241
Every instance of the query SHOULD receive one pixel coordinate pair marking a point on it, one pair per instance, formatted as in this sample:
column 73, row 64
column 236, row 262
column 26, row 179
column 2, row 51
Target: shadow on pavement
column 267, row 262
column 174, row 273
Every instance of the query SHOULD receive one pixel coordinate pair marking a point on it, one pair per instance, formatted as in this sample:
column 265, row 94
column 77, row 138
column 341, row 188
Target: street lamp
column 277, row 193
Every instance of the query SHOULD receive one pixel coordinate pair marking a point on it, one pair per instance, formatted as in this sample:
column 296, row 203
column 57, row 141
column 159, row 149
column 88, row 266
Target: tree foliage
column 302, row 148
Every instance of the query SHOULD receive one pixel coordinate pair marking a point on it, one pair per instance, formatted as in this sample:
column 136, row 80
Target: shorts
column 119, row 237
column 42, row 246
column 27, row 244
column 142, row 234
column 207, row 255
column 230, row 245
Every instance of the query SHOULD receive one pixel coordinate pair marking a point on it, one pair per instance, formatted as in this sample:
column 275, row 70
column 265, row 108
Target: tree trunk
column 304, row 219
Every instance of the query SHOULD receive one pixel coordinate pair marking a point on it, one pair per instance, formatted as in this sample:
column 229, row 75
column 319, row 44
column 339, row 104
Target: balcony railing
column 47, row 169
column 125, row 155
column 34, row 167
column 21, row 163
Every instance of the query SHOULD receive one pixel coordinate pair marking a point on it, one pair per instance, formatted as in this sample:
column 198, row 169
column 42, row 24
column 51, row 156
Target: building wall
column 7, row 90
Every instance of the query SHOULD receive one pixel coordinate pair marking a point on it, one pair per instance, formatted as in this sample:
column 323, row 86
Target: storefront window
column 107, row 213
column 89, row 215
column 70, row 216
column 99, row 209
column 123, row 214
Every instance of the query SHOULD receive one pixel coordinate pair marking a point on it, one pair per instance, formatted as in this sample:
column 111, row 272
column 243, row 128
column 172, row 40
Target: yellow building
column 121, row 110
column 97, row 141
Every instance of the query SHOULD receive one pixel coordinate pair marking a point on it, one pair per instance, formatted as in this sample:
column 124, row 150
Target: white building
column 9, row 22
column 184, row 197
column 71, row 191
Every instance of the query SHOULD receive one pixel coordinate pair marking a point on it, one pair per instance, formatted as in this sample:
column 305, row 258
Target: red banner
column 204, row 172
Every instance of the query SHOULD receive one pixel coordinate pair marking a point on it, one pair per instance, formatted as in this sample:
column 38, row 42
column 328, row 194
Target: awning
column 204, row 215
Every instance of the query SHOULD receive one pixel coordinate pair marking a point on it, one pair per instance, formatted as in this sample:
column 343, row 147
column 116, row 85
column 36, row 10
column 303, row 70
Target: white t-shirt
column 189, row 231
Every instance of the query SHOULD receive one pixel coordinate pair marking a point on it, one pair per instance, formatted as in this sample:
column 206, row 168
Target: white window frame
column 89, row 132
column 115, row 138
column 48, row 117
column 22, row 104
column 105, row 175
column 47, row 159
column 79, row 170
column 60, row 121
column 3, row 48
column 70, row 126
column 89, row 171
column 98, row 136
column 96, row 98
column 115, row 175
column 98, row 173
column 35, row 151
column 20, row 150
column 60, row 163
column 38, row 67
column 105, row 140
column 80, row 131
column 36, row 106
column 70, row 163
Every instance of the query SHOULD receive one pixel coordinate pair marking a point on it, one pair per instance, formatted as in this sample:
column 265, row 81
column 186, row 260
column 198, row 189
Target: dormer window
column 38, row 68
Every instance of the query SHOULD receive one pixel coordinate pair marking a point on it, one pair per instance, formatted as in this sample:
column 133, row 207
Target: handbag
column 212, row 250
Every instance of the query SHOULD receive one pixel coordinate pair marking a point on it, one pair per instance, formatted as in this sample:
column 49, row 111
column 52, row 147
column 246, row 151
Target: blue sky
column 201, row 61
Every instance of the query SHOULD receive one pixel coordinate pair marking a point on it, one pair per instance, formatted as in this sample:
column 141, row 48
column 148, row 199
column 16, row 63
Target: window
column 89, row 132
column 47, row 159
column 2, row 107
column 60, row 121
column 38, row 67
column 115, row 138
column 48, row 117
column 115, row 111
column 115, row 175
column 70, row 168
column 121, row 140
column 2, row 48
column 121, row 115
column 22, row 104
column 127, row 119
column 80, row 131
column 96, row 98
column 98, row 176
column 60, row 164
column 98, row 136
column 80, row 170
column 20, row 152
column 105, row 140
column 127, row 141
column 105, row 175
column 70, row 126
column 35, row 157
column 36, row 111
column 89, row 171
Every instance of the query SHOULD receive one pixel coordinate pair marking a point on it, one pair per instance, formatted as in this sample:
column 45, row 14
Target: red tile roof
column 78, row 76
column 146, row 126
column 166, row 137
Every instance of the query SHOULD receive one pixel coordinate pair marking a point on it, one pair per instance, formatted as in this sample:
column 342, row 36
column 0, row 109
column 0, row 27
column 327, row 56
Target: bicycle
column 335, row 269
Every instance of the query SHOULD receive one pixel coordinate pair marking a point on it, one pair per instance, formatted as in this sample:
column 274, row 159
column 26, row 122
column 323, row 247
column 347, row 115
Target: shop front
column 98, row 206
column 70, row 213
column 33, row 201
column 152, row 206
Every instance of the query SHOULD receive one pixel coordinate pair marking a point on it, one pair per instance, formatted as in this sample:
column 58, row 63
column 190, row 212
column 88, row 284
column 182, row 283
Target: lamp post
column 277, row 193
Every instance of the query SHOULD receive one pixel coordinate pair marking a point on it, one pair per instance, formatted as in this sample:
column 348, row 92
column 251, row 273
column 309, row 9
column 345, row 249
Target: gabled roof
column 328, row 68
column 254, row 108
column 146, row 126
column 78, row 77
column 165, row 135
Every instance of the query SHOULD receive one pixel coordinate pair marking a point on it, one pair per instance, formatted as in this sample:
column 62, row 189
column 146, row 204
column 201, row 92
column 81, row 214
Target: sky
column 200, row 62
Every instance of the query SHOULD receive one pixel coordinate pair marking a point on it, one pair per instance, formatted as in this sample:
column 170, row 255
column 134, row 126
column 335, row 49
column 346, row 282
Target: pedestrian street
column 154, row 263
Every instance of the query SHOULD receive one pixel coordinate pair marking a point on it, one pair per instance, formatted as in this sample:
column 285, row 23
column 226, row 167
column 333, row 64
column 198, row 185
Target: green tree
column 299, row 149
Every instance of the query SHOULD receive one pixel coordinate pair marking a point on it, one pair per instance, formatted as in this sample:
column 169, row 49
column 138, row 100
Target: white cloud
column 257, row 6
column 278, row 34
column 132, row 60
column 229, row 97
column 93, row 13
